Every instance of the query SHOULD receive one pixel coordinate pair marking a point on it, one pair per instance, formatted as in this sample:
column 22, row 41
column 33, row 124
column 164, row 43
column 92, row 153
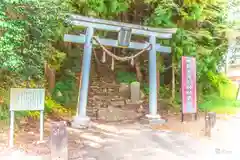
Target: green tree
column 99, row 8
column 28, row 29
column 202, row 28
column 31, row 31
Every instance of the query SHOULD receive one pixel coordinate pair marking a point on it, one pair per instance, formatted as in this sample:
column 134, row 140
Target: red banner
column 188, row 86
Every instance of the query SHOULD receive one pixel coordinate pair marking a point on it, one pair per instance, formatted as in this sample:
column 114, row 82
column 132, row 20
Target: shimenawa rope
column 117, row 57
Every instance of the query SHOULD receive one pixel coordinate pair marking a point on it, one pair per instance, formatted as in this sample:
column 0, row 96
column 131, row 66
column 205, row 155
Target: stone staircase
column 109, row 101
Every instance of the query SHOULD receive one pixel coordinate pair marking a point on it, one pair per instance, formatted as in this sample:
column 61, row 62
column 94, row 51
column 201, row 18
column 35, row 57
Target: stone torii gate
column 124, row 40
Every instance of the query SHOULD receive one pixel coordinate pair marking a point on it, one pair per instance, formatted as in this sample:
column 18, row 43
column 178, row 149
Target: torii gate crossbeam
column 91, row 24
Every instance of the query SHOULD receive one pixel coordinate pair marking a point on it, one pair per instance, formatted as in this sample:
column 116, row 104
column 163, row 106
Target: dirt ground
column 189, row 126
column 28, row 130
column 27, row 135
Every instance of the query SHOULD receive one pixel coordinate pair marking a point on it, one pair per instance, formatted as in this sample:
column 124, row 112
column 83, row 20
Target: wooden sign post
column 25, row 99
column 188, row 86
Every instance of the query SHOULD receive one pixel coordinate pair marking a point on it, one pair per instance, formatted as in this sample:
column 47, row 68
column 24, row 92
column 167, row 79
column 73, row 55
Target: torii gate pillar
column 82, row 120
column 153, row 80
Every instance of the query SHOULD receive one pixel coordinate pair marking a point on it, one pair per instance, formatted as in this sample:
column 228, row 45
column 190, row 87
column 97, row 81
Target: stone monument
column 135, row 91
column 59, row 141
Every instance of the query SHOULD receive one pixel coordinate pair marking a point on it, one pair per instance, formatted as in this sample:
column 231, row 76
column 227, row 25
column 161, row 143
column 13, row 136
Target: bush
column 228, row 91
column 223, row 101
column 66, row 92
column 4, row 103
column 217, row 104
column 126, row 77
column 219, row 95
column 52, row 106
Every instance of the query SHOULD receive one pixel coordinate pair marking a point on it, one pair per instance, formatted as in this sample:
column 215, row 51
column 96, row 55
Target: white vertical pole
column 153, row 78
column 41, row 125
column 86, row 68
column 11, row 129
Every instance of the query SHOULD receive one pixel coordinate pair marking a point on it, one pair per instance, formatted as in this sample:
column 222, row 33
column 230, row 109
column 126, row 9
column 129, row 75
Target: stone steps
column 102, row 96
column 108, row 100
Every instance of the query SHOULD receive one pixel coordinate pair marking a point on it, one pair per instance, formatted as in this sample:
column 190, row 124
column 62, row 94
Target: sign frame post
column 188, row 87
column 26, row 99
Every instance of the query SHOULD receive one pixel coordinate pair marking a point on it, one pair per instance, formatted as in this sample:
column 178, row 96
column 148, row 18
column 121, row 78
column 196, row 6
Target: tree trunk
column 173, row 83
column 158, row 74
column 50, row 75
column 173, row 78
column 139, row 74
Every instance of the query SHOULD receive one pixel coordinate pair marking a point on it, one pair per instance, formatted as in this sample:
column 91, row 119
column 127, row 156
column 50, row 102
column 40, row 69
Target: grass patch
column 226, row 110
column 220, row 105
column 222, row 102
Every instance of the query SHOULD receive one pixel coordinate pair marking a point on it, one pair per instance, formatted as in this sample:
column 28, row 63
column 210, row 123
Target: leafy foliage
column 27, row 30
column 126, row 77
column 30, row 32
column 98, row 8
column 202, row 34
column 66, row 91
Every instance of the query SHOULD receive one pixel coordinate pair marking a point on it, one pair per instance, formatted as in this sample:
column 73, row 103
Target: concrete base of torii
column 152, row 119
column 80, row 122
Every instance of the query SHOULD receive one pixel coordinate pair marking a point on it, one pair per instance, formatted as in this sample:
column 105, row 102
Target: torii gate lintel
column 91, row 24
